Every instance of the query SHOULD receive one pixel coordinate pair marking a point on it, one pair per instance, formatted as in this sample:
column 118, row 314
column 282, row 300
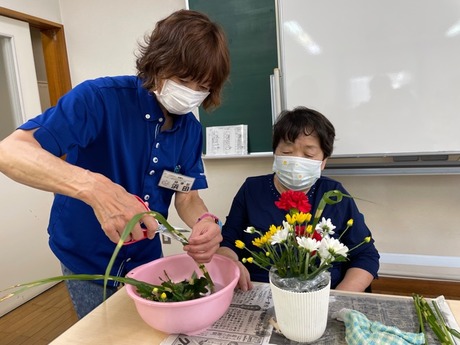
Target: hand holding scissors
column 162, row 228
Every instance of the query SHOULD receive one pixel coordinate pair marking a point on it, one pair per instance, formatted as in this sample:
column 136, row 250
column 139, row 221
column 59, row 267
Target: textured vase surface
column 301, row 316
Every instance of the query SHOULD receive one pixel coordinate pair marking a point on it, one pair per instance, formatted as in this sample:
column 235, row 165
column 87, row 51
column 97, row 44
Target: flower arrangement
column 302, row 246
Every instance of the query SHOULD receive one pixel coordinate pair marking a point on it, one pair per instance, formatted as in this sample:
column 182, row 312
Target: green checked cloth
column 360, row 331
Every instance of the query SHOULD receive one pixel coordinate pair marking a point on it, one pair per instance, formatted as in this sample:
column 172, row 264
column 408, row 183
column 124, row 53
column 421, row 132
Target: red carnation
column 293, row 199
column 317, row 236
column 299, row 230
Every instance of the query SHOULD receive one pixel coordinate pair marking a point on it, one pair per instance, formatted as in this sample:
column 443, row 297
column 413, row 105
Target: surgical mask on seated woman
column 297, row 173
column 179, row 99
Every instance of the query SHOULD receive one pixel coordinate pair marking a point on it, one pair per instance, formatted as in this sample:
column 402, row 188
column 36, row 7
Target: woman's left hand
column 204, row 240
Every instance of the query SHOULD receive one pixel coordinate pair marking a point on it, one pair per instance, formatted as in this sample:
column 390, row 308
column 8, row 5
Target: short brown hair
column 186, row 44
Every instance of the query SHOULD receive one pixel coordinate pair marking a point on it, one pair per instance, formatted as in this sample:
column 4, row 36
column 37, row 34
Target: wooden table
column 117, row 322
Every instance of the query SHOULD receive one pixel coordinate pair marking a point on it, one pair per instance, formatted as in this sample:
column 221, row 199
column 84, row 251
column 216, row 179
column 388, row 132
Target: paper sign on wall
column 227, row 140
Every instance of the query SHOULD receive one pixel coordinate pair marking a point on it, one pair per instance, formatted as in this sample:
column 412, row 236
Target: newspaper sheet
column 250, row 317
column 247, row 321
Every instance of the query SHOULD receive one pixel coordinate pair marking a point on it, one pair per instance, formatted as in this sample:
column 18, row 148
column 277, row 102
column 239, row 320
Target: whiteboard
column 386, row 73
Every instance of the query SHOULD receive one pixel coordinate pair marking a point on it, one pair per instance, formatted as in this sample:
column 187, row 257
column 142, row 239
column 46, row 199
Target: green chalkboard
column 250, row 27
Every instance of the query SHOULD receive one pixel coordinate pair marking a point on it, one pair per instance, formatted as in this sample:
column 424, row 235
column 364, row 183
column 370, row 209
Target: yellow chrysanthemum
column 309, row 229
column 163, row 296
column 291, row 219
column 257, row 242
column 250, row 260
column 239, row 244
column 264, row 239
column 367, row 239
column 273, row 229
column 268, row 235
column 303, row 217
column 350, row 222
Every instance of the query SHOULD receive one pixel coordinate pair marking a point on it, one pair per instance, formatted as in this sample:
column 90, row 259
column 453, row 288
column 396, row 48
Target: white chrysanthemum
column 286, row 226
column 325, row 227
column 330, row 248
column 310, row 244
column 250, row 230
column 280, row 236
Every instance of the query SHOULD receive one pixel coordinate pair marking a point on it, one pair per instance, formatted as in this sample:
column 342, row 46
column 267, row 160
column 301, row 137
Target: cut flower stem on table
column 435, row 320
column 168, row 291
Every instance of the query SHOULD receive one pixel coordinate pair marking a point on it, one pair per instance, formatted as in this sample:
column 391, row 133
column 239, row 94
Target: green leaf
column 331, row 197
column 454, row 332
column 126, row 232
column 24, row 286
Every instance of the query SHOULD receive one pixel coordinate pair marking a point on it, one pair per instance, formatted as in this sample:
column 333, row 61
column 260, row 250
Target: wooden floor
column 40, row 320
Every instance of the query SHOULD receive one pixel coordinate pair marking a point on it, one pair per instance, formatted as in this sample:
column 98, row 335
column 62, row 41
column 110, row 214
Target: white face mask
column 297, row 173
column 179, row 99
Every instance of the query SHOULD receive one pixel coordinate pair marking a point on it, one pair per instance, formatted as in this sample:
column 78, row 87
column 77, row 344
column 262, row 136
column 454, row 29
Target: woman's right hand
column 114, row 207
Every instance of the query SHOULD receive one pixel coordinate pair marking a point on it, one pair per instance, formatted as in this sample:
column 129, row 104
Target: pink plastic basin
column 188, row 317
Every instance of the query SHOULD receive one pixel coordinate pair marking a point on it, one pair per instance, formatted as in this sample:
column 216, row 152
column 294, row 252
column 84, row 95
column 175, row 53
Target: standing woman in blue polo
column 119, row 135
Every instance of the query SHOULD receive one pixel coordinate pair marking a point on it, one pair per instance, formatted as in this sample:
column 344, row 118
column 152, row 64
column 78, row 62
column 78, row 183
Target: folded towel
column 360, row 331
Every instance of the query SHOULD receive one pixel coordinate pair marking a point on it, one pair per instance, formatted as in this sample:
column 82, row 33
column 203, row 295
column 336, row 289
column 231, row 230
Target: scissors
column 163, row 230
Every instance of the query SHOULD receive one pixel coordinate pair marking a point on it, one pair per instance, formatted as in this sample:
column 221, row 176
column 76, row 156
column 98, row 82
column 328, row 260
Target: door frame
column 58, row 78
column 54, row 51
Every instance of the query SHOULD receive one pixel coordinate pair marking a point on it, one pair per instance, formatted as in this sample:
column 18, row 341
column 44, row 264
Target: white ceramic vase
column 301, row 316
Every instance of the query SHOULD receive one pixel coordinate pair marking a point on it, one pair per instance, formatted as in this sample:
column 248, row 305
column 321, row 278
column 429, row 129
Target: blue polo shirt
column 112, row 126
column 254, row 205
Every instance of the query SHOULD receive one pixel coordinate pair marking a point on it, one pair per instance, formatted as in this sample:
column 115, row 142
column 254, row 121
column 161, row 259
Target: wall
column 414, row 215
column 45, row 9
column 102, row 35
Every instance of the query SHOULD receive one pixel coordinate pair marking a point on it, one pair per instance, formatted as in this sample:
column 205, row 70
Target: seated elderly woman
column 304, row 138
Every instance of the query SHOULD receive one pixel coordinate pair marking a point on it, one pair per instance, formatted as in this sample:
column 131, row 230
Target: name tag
column 176, row 182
